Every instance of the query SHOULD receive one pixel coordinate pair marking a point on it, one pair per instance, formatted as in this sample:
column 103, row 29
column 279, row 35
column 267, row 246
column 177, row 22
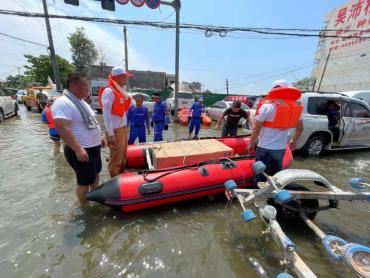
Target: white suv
column 8, row 106
column 185, row 100
column 352, row 130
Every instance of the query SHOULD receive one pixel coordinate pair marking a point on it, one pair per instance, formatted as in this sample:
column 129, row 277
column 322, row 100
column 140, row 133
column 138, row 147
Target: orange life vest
column 120, row 104
column 288, row 108
column 49, row 116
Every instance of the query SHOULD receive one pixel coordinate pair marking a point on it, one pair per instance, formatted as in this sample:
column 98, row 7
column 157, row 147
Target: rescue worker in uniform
column 115, row 102
column 160, row 117
column 272, row 125
column 47, row 118
column 138, row 117
column 196, row 116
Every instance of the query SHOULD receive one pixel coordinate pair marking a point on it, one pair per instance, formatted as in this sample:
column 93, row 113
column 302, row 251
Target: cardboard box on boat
column 188, row 152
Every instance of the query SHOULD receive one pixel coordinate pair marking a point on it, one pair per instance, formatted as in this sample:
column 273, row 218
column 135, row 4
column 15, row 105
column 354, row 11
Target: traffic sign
column 138, row 3
column 153, row 4
column 122, row 2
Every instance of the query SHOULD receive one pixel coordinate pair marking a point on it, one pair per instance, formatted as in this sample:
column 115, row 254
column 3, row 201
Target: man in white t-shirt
column 115, row 106
column 272, row 141
column 71, row 116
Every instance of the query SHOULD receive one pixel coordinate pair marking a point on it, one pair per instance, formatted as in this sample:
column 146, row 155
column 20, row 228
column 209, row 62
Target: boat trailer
column 276, row 190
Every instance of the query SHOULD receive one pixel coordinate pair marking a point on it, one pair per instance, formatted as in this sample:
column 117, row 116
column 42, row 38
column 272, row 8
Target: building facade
column 342, row 63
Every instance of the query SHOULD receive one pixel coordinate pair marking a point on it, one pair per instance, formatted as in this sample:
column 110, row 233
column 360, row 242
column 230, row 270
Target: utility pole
column 176, row 4
column 227, row 86
column 126, row 56
column 51, row 47
column 323, row 71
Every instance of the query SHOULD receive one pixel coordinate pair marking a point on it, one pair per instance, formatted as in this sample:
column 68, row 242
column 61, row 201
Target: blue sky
column 250, row 62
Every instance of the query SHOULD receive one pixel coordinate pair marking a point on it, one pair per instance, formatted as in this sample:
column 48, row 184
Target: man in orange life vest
column 47, row 118
column 272, row 124
column 115, row 103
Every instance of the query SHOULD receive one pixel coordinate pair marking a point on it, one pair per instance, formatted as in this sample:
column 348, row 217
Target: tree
column 83, row 50
column 16, row 81
column 305, row 84
column 40, row 68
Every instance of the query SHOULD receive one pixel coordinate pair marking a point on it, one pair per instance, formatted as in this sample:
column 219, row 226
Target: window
column 359, row 111
column 218, row 104
column 146, row 98
column 317, row 105
column 95, row 91
column 346, row 111
column 222, row 105
column 185, row 96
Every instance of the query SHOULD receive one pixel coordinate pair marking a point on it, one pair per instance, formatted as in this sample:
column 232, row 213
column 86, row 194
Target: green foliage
column 39, row 68
column 83, row 50
column 16, row 81
column 305, row 84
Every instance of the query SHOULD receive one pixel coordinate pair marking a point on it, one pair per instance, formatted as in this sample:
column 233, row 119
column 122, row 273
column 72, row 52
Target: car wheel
column 314, row 146
column 287, row 215
column 2, row 118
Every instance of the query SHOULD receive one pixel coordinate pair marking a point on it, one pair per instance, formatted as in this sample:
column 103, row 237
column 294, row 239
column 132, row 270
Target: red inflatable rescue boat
column 151, row 188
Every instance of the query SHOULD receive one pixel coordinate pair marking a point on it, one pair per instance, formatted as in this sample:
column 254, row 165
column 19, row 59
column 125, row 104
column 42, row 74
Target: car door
column 361, row 120
column 346, row 127
column 212, row 111
column 222, row 107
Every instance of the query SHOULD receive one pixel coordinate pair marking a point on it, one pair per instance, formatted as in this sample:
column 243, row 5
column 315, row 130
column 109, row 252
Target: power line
column 207, row 28
column 20, row 39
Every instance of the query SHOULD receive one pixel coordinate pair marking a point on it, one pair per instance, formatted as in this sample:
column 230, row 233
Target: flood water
column 44, row 233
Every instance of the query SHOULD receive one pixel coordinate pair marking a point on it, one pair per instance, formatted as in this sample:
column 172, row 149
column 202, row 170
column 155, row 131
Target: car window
column 53, row 94
column 216, row 105
column 346, row 111
column 222, row 105
column 359, row 111
column 185, row 96
column 146, row 98
column 317, row 105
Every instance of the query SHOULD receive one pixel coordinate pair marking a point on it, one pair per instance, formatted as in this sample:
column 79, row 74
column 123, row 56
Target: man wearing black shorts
column 231, row 116
column 76, row 124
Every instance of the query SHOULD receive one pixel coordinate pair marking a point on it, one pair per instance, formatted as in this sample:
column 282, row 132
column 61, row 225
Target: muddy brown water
column 44, row 233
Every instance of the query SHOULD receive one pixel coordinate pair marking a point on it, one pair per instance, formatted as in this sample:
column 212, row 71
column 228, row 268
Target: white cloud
column 108, row 37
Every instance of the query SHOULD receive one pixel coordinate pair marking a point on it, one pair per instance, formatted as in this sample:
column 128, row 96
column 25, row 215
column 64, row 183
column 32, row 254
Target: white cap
column 120, row 70
column 281, row 83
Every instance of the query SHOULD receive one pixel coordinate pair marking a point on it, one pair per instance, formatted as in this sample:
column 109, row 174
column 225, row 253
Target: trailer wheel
column 285, row 214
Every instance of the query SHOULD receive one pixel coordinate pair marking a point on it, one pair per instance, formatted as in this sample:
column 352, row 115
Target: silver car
column 352, row 130
column 216, row 110
column 8, row 106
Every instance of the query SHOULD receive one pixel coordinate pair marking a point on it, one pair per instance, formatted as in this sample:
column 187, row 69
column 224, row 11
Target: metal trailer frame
column 273, row 188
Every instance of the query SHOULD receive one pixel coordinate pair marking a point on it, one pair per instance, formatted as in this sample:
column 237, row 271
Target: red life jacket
column 288, row 108
column 120, row 104
column 49, row 116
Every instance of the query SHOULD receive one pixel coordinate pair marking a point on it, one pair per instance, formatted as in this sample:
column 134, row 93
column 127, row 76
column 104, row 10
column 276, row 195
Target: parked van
column 363, row 95
column 94, row 86
column 184, row 101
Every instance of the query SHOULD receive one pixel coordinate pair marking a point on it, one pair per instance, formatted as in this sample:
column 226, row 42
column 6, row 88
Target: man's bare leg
column 95, row 184
column 57, row 145
column 81, row 192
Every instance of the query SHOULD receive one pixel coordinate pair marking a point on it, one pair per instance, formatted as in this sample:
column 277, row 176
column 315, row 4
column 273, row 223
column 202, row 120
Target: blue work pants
column 194, row 122
column 137, row 132
column 273, row 159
